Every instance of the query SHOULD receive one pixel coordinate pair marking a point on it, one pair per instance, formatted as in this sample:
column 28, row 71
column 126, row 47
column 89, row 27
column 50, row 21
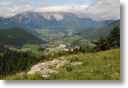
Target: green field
column 103, row 65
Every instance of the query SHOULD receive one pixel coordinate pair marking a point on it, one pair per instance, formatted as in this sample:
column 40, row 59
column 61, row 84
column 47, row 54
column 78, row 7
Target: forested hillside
column 17, row 36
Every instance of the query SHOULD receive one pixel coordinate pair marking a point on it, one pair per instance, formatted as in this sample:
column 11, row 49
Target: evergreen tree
column 111, row 41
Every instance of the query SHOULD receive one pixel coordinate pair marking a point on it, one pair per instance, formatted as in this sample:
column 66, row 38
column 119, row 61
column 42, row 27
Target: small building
column 62, row 46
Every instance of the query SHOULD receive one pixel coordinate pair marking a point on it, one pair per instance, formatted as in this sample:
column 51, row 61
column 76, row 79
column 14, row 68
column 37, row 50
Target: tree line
column 110, row 41
column 12, row 61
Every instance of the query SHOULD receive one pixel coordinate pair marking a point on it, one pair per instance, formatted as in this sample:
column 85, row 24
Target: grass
column 70, row 39
column 104, row 65
column 29, row 47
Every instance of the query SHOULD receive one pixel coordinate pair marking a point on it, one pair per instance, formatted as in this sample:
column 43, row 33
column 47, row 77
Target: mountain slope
column 104, row 65
column 106, row 29
column 95, row 32
column 18, row 37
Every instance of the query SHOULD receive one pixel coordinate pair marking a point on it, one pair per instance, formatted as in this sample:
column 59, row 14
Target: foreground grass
column 104, row 65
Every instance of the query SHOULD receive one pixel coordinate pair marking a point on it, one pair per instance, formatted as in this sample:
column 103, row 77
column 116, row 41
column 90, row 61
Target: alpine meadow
column 60, row 40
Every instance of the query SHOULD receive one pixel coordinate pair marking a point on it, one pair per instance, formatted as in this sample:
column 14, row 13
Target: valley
column 84, row 48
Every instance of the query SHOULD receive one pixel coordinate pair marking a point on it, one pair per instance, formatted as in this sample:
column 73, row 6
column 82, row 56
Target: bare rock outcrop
column 43, row 68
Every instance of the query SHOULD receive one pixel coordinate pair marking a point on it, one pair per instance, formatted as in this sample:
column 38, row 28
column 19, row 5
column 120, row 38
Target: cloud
column 10, row 9
column 103, row 9
column 98, row 9
column 64, row 8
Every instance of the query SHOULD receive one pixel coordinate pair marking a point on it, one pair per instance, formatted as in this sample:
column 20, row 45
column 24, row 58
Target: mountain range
column 40, row 20
column 57, row 24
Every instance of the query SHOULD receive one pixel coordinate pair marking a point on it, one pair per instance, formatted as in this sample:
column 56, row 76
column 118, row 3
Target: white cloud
column 9, row 9
column 64, row 8
column 103, row 9
column 98, row 9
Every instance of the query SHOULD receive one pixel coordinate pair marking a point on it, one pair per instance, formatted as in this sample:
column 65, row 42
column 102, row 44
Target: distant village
column 64, row 47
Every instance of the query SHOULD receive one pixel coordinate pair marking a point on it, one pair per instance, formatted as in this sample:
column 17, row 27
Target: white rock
column 48, row 72
column 43, row 68
column 53, row 63
column 61, row 64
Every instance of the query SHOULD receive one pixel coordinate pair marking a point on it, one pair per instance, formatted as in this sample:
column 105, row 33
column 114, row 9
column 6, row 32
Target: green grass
column 104, row 65
column 70, row 39
column 96, row 66
column 29, row 47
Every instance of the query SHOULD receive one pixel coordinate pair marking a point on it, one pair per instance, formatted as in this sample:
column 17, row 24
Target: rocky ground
column 45, row 70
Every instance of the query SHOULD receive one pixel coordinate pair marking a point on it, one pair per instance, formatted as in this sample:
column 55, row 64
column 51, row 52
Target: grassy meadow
column 103, row 65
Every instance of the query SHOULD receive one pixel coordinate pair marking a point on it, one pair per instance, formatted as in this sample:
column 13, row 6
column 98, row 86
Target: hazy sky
column 53, row 2
column 95, row 9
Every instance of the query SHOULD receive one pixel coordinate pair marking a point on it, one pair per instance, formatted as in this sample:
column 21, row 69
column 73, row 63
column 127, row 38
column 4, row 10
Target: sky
column 53, row 2
column 95, row 9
